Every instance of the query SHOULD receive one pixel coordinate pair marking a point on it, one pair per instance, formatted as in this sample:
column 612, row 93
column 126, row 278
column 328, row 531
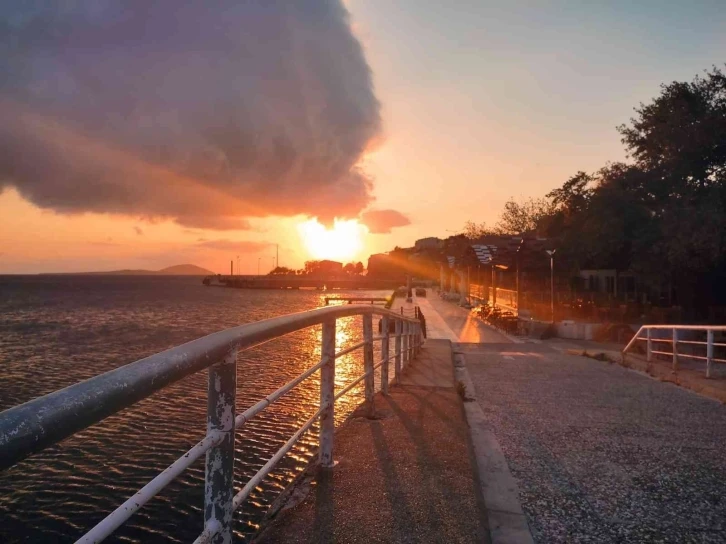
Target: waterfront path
column 564, row 447
column 447, row 320
column 600, row 453
column 406, row 476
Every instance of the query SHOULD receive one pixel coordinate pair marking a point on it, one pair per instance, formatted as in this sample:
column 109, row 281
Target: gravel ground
column 601, row 453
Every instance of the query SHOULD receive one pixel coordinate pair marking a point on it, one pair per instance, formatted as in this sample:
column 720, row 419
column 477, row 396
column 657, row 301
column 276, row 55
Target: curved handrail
column 710, row 344
column 44, row 421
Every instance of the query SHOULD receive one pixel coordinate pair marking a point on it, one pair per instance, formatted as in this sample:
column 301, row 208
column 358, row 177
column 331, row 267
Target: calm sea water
column 58, row 330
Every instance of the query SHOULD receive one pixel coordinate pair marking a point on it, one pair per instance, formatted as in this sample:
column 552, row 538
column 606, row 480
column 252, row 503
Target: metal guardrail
column 674, row 341
column 37, row 424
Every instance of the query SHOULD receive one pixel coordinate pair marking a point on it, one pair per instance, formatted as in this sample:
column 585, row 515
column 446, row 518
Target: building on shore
column 431, row 243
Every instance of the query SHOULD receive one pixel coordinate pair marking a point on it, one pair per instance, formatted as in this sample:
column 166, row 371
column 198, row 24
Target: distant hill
column 184, row 270
column 177, row 270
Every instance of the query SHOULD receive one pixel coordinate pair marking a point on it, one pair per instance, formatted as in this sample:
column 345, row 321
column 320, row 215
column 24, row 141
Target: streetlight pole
column 519, row 249
column 551, row 253
column 468, row 285
column 494, row 285
column 258, row 265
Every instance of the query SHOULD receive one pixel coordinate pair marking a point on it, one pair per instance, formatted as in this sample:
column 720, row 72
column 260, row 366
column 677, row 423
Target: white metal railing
column 674, row 341
column 37, row 424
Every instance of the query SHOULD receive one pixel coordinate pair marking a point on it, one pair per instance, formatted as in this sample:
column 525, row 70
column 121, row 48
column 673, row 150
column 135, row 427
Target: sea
column 57, row 330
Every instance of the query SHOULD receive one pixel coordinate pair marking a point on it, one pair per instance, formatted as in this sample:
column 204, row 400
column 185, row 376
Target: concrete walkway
column 448, row 321
column 407, row 476
column 600, row 453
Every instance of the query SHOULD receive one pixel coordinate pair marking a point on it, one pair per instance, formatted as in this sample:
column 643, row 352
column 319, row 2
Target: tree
column 523, row 217
column 574, row 196
column 359, row 268
column 681, row 136
column 349, row 268
column 679, row 142
column 474, row 230
column 664, row 214
column 281, row 271
column 311, row 267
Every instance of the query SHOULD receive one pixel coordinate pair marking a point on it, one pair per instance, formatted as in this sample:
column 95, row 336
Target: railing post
column 709, row 352
column 398, row 349
column 649, row 348
column 327, row 396
column 412, row 342
column 675, row 349
column 404, row 351
column 219, row 470
column 368, row 363
column 384, row 355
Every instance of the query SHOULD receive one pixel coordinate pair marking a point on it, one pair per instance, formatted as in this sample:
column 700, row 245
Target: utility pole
column 551, row 253
column 231, row 268
column 494, row 285
column 519, row 251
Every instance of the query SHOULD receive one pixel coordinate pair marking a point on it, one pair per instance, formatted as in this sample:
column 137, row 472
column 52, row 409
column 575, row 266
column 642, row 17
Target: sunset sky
column 131, row 151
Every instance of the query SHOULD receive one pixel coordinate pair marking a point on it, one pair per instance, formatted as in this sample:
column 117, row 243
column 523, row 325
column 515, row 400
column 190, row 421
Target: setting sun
column 341, row 243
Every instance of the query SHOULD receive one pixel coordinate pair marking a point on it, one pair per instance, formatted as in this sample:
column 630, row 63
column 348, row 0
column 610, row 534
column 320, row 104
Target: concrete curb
column 507, row 521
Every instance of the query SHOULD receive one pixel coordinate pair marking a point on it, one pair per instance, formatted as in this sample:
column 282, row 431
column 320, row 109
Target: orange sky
column 472, row 116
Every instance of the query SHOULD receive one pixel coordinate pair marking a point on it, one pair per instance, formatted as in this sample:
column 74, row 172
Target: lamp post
column 551, row 253
column 478, row 281
column 519, row 249
column 494, row 285
column 258, row 265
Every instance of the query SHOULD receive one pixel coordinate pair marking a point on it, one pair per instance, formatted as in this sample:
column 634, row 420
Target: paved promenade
column 407, row 476
column 601, row 453
column 449, row 321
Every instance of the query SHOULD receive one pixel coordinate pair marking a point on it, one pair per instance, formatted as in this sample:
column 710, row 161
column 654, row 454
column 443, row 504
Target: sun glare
column 340, row 243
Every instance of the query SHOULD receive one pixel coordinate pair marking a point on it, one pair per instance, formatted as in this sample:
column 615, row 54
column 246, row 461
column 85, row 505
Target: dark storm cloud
column 205, row 112
column 382, row 221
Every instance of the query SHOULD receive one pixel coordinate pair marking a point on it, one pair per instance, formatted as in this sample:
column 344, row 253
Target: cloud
column 382, row 221
column 207, row 113
column 244, row 246
column 139, row 231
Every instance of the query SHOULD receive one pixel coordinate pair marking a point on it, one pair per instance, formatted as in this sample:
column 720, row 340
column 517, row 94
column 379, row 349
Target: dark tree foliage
column 662, row 216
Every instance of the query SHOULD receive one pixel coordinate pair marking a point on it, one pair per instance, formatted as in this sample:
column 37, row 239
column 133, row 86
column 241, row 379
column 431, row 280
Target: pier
column 357, row 300
column 302, row 282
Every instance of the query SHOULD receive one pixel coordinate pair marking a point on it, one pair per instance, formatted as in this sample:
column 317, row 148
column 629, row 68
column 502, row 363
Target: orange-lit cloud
column 208, row 117
column 382, row 221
